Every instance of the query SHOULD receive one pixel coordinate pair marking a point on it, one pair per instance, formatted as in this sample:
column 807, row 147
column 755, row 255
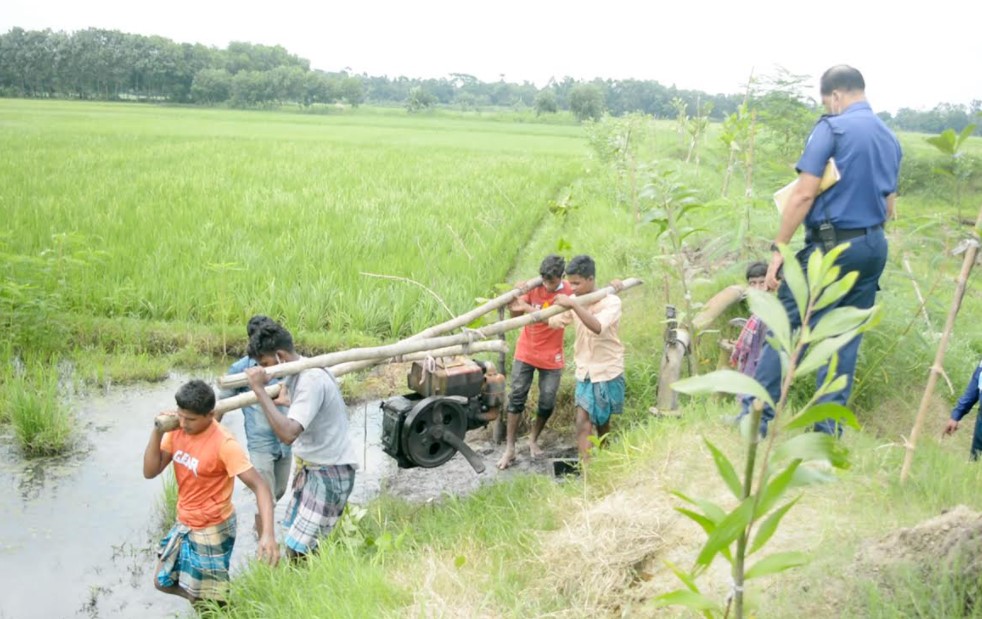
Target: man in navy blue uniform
column 853, row 210
column 963, row 407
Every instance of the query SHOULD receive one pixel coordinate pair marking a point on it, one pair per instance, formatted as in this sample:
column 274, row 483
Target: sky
column 913, row 57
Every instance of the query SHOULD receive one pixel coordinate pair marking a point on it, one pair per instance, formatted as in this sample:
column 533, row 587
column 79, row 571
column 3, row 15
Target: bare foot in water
column 534, row 450
column 507, row 458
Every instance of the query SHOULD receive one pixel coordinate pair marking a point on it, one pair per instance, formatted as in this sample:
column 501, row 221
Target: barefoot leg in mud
column 534, row 450
column 584, row 430
column 602, row 432
column 509, row 456
column 548, row 389
column 173, row 589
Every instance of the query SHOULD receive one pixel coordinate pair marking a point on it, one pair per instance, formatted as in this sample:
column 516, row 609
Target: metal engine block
column 449, row 397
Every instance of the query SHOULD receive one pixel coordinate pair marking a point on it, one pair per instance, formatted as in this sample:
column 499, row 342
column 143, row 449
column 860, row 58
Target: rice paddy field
column 210, row 216
column 132, row 225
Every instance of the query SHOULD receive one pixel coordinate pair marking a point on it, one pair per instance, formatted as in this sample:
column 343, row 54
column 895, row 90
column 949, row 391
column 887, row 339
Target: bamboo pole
column 248, row 398
column 418, row 345
column 717, row 305
column 497, row 346
column 166, row 422
column 501, row 426
column 500, row 346
column 465, row 319
column 497, row 303
column 936, row 368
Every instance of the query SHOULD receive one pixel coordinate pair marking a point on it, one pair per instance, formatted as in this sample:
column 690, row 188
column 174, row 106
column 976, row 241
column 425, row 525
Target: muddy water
column 77, row 533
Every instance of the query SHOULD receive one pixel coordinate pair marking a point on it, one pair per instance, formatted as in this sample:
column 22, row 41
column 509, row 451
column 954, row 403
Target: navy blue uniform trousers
column 866, row 254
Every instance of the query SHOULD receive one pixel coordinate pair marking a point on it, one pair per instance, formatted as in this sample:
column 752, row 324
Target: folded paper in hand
column 830, row 177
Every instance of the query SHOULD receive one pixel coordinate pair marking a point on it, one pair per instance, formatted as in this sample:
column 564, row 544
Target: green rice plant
column 189, row 358
column 166, row 505
column 6, row 376
column 123, row 367
column 30, row 303
column 42, row 423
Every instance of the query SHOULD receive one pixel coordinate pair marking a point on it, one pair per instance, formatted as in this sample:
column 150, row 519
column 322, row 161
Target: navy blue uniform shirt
column 868, row 156
column 969, row 398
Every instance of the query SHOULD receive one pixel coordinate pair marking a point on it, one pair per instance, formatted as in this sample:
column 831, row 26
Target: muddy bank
column 77, row 533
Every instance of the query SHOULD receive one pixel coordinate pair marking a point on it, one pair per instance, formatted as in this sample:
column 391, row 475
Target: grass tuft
column 41, row 421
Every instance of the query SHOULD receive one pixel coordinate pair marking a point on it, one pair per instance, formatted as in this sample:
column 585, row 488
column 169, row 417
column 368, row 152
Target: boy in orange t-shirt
column 195, row 554
column 539, row 349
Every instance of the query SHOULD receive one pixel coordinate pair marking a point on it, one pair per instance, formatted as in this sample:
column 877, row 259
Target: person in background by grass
column 539, row 349
column 316, row 424
column 963, row 407
column 269, row 455
column 195, row 554
column 750, row 343
column 597, row 352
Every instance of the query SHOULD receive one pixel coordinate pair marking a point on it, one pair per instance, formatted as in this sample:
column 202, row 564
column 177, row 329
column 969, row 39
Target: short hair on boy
column 582, row 265
column 756, row 269
column 269, row 338
column 553, row 266
column 255, row 322
column 195, row 396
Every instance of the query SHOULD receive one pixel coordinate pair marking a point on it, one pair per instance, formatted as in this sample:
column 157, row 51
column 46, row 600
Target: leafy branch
column 770, row 473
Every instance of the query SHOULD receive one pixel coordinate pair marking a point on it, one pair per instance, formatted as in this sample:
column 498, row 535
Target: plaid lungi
column 197, row 560
column 601, row 399
column 319, row 496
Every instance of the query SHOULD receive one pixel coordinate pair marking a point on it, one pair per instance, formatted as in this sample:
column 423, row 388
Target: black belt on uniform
column 842, row 234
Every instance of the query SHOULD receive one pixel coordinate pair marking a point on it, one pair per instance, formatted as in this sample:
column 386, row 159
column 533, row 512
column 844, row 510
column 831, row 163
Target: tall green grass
column 41, row 422
column 166, row 505
column 487, row 532
column 334, row 584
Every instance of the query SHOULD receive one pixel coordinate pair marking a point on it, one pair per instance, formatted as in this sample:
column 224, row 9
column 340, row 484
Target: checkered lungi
column 319, row 496
column 197, row 560
column 602, row 399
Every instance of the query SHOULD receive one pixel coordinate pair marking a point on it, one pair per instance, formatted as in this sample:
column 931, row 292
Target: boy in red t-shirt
column 195, row 554
column 539, row 348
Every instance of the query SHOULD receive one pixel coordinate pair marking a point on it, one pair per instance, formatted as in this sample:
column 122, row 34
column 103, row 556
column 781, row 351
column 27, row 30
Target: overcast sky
column 910, row 57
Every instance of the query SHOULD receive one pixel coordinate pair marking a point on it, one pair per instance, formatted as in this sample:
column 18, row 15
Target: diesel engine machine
column 449, row 397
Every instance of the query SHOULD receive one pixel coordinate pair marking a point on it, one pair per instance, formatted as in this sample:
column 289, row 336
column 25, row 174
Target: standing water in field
column 78, row 533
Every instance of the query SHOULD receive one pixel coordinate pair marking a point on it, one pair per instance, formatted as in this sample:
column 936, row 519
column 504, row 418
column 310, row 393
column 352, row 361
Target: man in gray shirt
column 316, row 425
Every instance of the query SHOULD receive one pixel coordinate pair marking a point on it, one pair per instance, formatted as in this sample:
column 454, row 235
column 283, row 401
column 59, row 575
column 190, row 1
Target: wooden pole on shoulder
column 412, row 346
column 465, row 319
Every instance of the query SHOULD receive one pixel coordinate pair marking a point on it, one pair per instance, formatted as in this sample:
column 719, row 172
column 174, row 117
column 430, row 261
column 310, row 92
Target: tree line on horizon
column 109, row 65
